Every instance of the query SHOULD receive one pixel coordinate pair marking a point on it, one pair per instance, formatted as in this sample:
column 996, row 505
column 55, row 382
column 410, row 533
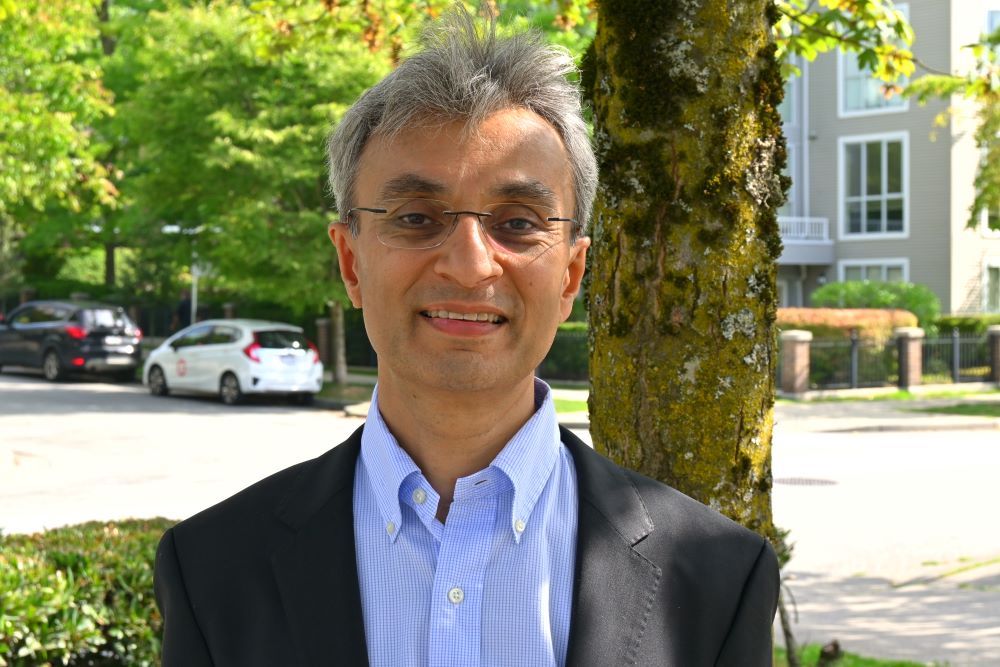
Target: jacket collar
column 315, row 567
column 614, row 585
column 314, row 561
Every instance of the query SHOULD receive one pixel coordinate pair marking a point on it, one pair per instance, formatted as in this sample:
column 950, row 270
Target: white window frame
column 989, row 262
column 842, row 233
column 842, row 110
column 984, row 227
column 843, row 264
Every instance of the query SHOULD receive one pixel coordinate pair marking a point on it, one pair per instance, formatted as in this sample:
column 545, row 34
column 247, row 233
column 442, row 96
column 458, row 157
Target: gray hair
column 464, row 73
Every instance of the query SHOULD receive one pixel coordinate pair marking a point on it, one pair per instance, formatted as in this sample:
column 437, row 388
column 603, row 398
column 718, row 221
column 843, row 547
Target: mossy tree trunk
column 682, row 282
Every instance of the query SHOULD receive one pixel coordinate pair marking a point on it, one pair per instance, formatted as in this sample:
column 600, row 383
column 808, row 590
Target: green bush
column 968, row 325
column 81, row 595
column 917, row 299
column 568, row 359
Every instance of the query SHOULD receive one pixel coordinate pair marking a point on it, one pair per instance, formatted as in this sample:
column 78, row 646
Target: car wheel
column 51, row 367
column 229, row 389
column 157, row 382
column 302, row 398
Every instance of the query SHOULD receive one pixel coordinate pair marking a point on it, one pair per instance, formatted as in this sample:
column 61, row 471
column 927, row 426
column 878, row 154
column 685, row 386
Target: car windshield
column 104, row 318
column 281, row 339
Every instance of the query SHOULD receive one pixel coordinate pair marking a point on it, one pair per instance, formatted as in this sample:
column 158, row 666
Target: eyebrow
column 527, row 190
column 410, row 184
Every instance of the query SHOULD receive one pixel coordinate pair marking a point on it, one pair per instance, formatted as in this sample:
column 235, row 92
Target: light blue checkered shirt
column 492, row 586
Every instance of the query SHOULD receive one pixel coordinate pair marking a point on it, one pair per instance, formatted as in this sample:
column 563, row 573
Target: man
column 461, row 525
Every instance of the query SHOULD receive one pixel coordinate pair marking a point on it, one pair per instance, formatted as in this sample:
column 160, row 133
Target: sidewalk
column 817, row 416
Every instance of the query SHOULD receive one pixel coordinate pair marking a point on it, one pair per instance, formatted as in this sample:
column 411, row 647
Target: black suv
column 71, row 336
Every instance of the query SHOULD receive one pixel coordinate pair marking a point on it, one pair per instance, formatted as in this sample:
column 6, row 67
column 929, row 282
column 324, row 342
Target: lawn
column 809, row 656
column 966, row 409
column 900, row 395
column 566, row 405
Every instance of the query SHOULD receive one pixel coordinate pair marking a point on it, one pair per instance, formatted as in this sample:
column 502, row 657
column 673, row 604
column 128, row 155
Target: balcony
column 806, row 240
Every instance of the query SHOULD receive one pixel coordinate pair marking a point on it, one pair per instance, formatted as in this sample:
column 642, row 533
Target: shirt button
column 519, row 526
column 390, row 528
column 419, row 496
column 456, row 595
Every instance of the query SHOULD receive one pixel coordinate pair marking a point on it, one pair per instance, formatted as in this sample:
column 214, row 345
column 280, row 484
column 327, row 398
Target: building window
column 991, row 287
column 992, row 21
column 875, row 270
column 859, row 92
column 873, row 185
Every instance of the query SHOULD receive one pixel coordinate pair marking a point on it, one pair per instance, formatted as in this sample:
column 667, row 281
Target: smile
column 492, row 318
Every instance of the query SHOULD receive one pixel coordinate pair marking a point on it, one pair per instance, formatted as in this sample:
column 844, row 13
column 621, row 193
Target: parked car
column 233, row 358
column 61, row 337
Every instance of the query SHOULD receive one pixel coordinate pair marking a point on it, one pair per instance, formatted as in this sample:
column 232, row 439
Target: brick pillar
column 323, row 340
column 910, row 343
column 993, row 336
column 795, row 361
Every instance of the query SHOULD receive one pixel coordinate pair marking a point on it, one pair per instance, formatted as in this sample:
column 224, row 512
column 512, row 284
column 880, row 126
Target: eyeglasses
column 421, row 224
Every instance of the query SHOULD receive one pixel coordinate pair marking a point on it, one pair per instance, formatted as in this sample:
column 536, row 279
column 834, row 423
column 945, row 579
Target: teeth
column 469, row 317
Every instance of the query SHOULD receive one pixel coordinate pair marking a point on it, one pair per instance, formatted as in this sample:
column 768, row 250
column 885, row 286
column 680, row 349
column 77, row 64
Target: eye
column 517, row 219
column 414, row 220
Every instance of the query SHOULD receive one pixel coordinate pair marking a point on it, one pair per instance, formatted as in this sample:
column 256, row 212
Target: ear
column 347, row 259
column 573, row 276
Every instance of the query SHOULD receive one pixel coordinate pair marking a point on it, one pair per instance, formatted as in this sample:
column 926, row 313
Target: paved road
column 881, row 520
column 91, row 450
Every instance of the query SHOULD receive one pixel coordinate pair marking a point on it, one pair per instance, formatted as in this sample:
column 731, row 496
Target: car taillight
column 251, row 351
column 74, row 331
column 315, row 351
column 78, row 361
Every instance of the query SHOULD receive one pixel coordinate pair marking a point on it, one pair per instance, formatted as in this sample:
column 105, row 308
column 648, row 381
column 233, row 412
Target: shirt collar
column 526, row 460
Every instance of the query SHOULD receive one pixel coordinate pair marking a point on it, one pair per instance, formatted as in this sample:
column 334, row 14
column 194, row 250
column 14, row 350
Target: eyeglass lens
column 425, row 223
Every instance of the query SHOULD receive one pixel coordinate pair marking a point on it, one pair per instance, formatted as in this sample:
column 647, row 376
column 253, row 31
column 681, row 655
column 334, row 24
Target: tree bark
column 338, row 359
column 110, row 274
column 682, row 284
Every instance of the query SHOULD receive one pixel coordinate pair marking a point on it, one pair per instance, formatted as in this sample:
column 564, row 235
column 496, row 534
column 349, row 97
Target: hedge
column 81, row 595
column 837, row 323
column 968, row 325
column 917, row 299
column 568, row 358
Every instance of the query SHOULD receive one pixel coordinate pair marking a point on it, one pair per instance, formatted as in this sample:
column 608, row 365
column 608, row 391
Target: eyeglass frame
column 575, row 232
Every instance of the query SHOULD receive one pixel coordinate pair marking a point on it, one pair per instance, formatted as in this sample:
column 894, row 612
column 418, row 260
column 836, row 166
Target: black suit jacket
column 268, row 577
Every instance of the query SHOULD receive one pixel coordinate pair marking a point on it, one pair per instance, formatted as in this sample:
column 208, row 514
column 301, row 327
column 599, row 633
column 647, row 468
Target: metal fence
column 842, row 364
column 956, row 358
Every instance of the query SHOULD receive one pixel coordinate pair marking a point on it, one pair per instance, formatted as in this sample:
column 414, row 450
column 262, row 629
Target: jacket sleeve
column 183, row 641
column 749, row 641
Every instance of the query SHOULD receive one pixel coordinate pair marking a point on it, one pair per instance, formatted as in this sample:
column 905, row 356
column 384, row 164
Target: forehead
column 513, row 152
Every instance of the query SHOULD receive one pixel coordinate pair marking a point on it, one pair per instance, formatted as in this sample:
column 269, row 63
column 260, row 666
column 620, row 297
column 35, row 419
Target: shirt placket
column 457, row 594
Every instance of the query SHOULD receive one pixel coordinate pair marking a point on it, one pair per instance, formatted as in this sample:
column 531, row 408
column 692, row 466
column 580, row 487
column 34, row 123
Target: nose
column 467, row 256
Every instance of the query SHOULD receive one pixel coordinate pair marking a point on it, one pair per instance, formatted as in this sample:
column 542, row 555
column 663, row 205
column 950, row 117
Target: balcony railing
column 804, row 230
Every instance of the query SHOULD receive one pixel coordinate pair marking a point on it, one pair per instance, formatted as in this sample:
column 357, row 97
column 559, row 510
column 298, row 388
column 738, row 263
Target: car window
column 281, row 339
column 104, row 318
column 24, row 316
column 197, row 336
column 224, row 335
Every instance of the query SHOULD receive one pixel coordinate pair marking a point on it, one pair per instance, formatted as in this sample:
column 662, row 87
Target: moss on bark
column 681, row 291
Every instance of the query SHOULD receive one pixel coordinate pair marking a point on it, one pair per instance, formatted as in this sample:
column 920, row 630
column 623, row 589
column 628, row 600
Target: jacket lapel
column 614, row 584
column 314, row 561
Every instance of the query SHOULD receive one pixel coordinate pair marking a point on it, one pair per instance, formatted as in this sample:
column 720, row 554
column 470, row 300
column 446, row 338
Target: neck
column 450, row 434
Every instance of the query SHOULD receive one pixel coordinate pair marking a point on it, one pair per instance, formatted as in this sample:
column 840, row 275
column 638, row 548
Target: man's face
column 407, row 294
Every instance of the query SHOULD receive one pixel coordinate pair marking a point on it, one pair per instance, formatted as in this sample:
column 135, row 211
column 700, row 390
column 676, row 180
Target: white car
column 233, row 358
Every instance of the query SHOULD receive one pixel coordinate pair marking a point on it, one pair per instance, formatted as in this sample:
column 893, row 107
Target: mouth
column 490, row 318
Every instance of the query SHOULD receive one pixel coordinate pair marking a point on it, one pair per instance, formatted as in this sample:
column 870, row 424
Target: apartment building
column 879, row 192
